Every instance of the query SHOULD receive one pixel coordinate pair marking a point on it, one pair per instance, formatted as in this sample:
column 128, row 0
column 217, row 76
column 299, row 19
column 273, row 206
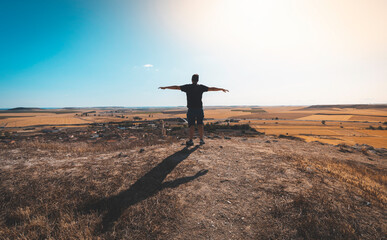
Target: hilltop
column 24, row 109
column 355, row 106
column 231, row 188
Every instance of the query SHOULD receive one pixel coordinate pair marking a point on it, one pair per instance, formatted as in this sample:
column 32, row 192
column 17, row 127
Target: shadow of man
column 145, row 187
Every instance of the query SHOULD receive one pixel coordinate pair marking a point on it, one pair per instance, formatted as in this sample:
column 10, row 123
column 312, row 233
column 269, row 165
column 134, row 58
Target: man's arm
column 171, row 87
column 217, row 89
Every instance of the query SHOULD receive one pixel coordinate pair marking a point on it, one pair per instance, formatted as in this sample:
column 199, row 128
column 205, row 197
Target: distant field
column 332, row 132
column 321, row 117
column 343, row 124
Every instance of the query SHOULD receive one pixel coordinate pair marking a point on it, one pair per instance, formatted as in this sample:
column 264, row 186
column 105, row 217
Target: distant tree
column 323, row 122
column 380, row 128
column 385, row 123
column 276, row 118
column 371, row 127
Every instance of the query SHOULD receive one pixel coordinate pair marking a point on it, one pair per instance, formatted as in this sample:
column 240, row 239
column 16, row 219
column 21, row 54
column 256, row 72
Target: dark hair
column 195, row 78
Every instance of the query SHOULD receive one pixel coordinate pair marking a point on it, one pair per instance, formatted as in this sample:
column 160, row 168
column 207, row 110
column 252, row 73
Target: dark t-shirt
column 194, row 94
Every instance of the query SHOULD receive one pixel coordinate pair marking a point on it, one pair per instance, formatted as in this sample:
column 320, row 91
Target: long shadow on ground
column 143, row 188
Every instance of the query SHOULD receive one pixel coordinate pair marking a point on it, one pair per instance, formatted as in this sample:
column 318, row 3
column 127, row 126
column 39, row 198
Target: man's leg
column 201, row 130
column 191, row 132
column 201, row 125
column 191, row 125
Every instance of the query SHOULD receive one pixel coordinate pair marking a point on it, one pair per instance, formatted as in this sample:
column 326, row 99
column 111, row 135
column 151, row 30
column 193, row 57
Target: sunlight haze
column 117, row 53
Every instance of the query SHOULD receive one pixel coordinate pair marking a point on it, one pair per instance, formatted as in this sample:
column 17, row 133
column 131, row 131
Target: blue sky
column 72, row 53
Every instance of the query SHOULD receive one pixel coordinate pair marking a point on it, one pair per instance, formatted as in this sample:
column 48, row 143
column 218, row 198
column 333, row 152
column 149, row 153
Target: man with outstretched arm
column 195, row 112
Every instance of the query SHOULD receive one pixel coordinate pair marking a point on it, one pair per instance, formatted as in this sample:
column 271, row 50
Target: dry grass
column 243, row 188
column 370, row 182
column 44, row 197
column 321, row 117
column 51, row 119
column 331, row 133
column 339, row 205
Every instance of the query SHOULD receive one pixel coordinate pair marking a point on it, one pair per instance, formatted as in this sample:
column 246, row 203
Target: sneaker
column 202, row 142
column 189, row 143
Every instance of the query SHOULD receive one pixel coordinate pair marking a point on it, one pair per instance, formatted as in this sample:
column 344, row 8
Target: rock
column 220, row 146
column 228, row 138
column 94, row 136
column 142, row 150
column 267, row 141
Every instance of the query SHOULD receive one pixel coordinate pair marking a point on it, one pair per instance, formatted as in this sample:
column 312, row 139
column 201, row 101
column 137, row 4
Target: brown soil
column 239, row 188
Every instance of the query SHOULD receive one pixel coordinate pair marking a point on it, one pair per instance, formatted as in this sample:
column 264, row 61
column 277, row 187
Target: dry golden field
column 342, row 124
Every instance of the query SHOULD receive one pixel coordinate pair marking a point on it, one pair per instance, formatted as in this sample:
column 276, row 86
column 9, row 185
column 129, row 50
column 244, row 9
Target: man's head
column 195, row 78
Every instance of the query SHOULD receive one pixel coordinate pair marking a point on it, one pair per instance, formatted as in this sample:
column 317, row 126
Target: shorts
column 195, row 114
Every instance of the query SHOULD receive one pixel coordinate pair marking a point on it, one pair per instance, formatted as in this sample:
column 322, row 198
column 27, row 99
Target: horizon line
column 237, row 105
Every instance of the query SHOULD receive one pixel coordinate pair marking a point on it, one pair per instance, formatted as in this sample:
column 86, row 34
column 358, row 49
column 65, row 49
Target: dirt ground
column 238, row 188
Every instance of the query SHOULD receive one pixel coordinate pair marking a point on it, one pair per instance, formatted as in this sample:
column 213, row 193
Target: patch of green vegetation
column 5, row 117
column 126, row 124
column 62, row 112
column 39, row 111
column 145, row 112
column 210, row 127
column 376, row 128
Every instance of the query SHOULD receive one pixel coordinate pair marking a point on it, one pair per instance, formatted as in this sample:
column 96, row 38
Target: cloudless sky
column 84, row 53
